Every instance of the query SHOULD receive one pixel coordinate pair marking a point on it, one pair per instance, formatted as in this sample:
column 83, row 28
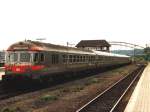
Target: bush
column 94, row 80
column 49, row 98
column 7, row 109
column 77, row 88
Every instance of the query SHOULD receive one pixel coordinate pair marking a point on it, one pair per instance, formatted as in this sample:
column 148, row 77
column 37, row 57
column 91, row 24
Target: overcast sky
column 60, row 21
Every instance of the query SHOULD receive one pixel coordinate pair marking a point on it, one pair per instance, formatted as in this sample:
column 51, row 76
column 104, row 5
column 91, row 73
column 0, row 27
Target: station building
column 98, row 45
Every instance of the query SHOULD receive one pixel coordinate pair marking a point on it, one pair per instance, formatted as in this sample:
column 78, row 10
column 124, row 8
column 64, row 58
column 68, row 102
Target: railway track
column 109, row 100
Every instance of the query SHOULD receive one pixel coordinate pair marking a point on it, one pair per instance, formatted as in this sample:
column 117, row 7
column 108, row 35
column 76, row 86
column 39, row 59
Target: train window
column 74, row 58
column 99, row 58
column 83, row 59
column 86, row 58
column 25, row 57
column 13, row 57
column 80, row 58
column 70, row 58
column 41, row 57
column 55, row 58
column 64, row 58
column 77, row 58
column 36, row 57
column 90, row 58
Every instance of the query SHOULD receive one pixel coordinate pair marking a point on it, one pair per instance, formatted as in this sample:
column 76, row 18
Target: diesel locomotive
column 35, row 60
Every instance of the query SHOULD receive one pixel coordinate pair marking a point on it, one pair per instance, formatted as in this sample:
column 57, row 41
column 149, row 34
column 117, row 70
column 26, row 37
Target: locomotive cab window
column 36, row 57
column 18, row 57
column 41, row 57
column 12, row 57
column 25, row 57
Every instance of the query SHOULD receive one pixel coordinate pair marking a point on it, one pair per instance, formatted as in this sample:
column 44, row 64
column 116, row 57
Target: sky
column 62, row 21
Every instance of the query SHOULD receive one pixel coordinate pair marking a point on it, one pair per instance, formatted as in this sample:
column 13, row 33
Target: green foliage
column 7, row 109
column 66, row 90
column 77, row 88
column 94, row 80
column 49, row 98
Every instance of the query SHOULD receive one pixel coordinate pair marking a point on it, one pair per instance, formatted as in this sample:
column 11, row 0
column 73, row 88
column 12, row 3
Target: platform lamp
column 147, row 52
column 67, row 51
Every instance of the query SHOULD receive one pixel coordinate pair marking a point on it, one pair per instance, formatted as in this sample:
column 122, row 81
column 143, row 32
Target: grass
column 77, row 88
column 95, row 80
column 49, row 98
column 7, row 109
column 65, row 90
column 92, row 81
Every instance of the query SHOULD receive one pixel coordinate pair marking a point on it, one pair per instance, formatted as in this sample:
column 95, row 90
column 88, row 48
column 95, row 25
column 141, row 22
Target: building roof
column 93, row 43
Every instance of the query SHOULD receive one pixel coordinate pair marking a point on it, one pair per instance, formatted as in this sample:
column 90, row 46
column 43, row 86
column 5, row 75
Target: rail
column 109, row 99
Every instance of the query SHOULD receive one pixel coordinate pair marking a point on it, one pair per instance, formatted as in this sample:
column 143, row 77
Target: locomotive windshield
column 12, row 57
column 25, row 57
column 18, row 57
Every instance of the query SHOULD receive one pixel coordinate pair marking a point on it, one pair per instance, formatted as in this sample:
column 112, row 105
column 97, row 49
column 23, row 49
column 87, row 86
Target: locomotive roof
column 40, row 46
column 60, row 48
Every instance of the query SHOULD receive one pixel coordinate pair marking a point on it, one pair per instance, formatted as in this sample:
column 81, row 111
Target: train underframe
column 57, row 77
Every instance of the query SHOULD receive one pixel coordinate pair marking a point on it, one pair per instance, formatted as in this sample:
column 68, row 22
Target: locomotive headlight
column 17, row 69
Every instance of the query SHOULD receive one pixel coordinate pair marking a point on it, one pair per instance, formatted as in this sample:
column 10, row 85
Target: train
column 36, row 60
column 2, row 58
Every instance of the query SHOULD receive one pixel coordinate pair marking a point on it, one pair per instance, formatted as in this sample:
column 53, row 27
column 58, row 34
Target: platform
column 1, row 73
column 140, row 98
